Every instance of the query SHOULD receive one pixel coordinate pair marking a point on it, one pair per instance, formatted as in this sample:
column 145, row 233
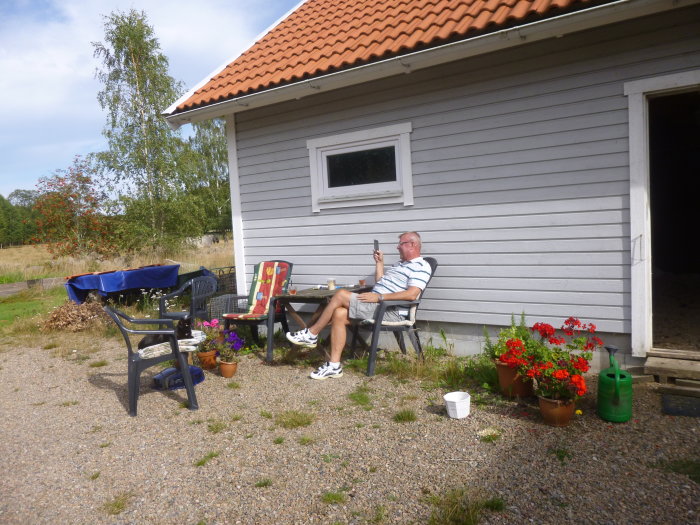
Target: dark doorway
column 674, row 151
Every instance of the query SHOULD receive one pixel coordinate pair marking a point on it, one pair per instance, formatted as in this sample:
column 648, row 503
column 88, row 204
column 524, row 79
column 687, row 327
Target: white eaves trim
column 550, row 28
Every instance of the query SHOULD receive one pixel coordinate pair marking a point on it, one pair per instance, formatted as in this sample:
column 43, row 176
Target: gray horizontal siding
column 520, row 175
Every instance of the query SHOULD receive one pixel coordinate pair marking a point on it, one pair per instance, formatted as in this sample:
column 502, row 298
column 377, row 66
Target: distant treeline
column 17, row 218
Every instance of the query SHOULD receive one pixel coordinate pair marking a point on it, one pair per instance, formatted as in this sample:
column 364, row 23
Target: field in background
column 21, row 263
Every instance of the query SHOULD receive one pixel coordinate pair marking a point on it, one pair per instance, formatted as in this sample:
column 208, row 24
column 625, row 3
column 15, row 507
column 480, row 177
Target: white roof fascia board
column 223, row 66
column 535, row 31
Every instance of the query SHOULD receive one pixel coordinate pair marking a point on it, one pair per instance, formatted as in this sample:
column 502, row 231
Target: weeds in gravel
column 94, row 475
column 215, row 427
column 360, row 397
column 236, row 417
column 687, row 467
column 106, row 444
column 405, row 416
column 461, row 507
column 333, row 498
column 278, row 440
column 562, row 454
column 266, row 482
column 206, row 459
column 118, row 504
column 98, row 364
column 294, row 419
column 233, row 385
column 266, row 414
column 68, row 403
column 489, row 435
column 306, row 440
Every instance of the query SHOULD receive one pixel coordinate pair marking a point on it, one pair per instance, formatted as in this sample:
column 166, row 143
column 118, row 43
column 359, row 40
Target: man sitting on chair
column 403, row 281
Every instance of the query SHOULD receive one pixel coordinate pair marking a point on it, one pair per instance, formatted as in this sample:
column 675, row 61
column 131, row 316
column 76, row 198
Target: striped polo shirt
column 404, row 274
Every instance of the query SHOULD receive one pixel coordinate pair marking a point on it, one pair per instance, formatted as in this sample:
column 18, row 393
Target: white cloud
column 48, row 93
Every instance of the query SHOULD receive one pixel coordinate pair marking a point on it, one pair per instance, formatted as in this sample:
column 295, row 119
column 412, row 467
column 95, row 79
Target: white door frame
column 637, row 93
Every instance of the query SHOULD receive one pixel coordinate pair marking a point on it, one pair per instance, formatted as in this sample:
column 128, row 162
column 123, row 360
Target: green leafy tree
column 143, row 159
column 25, row 225
column 208, row 181
column 69, row 209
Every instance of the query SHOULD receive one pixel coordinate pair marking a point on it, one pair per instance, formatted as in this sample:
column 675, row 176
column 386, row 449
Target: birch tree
column 143, row 154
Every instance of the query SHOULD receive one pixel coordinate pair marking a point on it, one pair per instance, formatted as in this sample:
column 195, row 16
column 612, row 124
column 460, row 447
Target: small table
column 320, row 296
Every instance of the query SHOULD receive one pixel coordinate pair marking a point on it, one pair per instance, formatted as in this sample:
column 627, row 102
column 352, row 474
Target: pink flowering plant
column 555, row 361
column 227, row 343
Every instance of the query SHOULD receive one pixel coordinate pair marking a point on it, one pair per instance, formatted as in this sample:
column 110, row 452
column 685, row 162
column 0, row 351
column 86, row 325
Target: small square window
column 367, row 166
column 361, row 168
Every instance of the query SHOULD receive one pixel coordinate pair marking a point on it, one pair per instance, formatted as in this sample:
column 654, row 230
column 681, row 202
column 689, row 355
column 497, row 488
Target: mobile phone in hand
column 376, row 245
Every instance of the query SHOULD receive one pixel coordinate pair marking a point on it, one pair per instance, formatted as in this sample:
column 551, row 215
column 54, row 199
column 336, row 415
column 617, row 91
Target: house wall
column 520, row 174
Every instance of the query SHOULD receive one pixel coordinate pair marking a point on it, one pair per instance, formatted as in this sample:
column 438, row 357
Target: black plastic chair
column 199, row 289
column 138, row 364
column 378, row 325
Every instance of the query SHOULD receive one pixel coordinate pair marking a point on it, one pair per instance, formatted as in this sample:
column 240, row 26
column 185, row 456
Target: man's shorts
column 360, row 310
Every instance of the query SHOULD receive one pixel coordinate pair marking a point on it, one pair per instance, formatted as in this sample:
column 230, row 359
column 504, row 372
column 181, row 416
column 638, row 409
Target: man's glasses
column 405, row 242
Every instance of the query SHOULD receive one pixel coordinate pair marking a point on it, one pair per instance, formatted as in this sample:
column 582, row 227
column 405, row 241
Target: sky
column 48, row 92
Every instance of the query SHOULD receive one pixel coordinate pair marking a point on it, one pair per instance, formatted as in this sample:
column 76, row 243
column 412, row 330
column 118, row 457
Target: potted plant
column 228, row 353
column 208, row 348
column 512, row 354
column 558, row 369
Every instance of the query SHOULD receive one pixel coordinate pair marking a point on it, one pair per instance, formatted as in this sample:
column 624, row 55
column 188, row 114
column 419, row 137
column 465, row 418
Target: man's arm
column 411, row 294
column 378, row 265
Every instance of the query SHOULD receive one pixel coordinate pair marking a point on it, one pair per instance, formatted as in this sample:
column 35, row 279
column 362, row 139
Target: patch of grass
column 39, row 403
column 106, row 444
column 206, row 459
column 50, row 346
column 215, row 427
column 266, row 482
column 294, row 419
column 333, row 498
column 380, row 514
column 266, row 414
column 98, row 364
column 118, row 504
column 69, row 403
column 236, row 417
column 687, row 467
column 327, row 458
column 94, row 475
column 489, row 435
column 305, row 440
column 94, row 429
column 562, row 454
column 460, row 507
column 233, row 385
column 406, row 415
column 360, row 397
column 278, row 440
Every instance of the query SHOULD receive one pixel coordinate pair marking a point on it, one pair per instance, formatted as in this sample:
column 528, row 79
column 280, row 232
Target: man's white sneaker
column 327, row 370
column 303, row 338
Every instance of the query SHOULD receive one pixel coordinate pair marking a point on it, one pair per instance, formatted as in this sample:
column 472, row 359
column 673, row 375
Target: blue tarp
column 80, row 286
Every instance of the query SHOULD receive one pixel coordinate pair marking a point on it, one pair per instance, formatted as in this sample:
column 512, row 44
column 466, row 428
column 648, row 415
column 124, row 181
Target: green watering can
column 614, row 391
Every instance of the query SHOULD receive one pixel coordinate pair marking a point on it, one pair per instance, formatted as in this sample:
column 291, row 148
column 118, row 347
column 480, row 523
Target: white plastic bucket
column 457, row 404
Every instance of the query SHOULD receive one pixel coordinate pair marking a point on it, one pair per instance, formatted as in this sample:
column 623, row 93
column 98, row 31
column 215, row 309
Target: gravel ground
column 69, row 448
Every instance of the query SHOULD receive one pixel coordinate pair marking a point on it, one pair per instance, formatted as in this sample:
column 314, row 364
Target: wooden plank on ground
column 677, row 368
column 674, row 353
column 679, row 390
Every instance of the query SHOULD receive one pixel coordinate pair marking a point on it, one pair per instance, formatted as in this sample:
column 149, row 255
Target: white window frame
column 401, row 190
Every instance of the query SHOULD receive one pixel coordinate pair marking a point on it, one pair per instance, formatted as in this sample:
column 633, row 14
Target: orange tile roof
column 323, row 36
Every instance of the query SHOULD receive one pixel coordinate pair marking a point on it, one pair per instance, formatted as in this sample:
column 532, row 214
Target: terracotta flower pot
column 207, row 359
column 512, row 384
column 227, row 369
column 556, row 412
